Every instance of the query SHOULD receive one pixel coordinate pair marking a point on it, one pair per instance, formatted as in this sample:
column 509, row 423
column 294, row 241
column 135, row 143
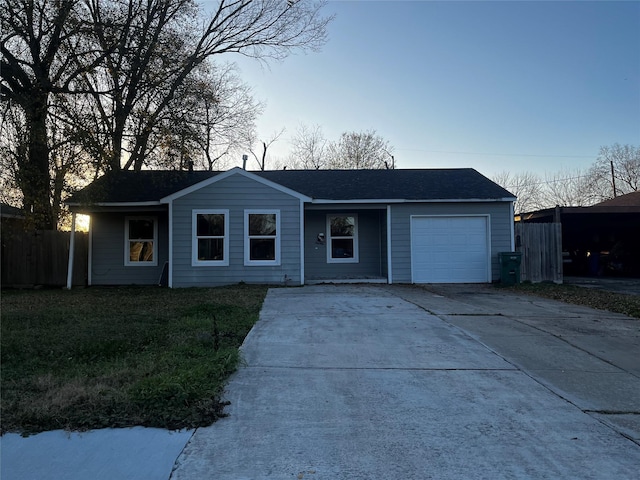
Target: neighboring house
column 294, row 227
column 602, row 239
column 11, row 218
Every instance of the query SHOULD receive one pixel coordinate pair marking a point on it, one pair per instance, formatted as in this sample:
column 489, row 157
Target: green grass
column 116, row 357
column 589, row 297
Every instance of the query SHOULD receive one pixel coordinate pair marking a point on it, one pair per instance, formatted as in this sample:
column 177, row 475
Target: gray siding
column 107, row 251
column 236, row 193
column 371, row 244
column 500, row 231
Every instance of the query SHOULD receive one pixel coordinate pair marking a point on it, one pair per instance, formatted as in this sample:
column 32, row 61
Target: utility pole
column 613, row 180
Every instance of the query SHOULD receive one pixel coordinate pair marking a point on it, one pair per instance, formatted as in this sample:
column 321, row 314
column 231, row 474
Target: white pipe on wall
column 72, row 249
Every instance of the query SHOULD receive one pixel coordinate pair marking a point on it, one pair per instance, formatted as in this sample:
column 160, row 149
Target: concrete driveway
column 453, row 382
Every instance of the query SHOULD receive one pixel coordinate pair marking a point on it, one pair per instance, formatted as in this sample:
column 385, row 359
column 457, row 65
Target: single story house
column 294, row 227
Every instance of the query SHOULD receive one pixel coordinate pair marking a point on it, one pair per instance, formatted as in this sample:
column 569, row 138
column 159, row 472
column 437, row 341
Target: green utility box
column 510, row 267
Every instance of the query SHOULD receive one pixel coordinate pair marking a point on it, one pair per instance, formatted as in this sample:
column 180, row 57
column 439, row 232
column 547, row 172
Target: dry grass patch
column 589, row 297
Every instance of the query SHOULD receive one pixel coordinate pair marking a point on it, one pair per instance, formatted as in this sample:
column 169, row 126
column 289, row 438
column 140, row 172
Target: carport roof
column 629, row 200
column 333, row 185
column 7, row 211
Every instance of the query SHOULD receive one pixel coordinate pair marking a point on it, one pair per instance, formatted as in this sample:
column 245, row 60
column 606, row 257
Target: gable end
column 227, row 174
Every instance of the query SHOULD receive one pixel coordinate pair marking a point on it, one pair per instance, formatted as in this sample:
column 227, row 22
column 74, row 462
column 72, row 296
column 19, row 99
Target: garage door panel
column 449, row 249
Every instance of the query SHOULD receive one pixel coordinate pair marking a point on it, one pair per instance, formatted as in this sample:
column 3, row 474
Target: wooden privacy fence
column 41, row 258
column 541, row 247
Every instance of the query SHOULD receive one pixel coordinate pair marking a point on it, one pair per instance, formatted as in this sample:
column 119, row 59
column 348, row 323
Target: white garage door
column 449, row 249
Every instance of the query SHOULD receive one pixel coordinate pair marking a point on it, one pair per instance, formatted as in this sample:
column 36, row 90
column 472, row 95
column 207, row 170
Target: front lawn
column 116, row 357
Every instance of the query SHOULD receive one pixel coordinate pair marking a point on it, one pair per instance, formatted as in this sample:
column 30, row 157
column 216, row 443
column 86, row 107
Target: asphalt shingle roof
column 134, row 187
column 422, row 184
column 432, row 184
column 629, row 200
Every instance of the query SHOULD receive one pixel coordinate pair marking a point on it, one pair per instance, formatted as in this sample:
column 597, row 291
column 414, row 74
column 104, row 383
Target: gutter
column 402, row 200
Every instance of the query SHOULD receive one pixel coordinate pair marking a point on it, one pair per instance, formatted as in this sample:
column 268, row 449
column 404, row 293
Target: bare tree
column 568, row 188
column 309, row 148
column 258, row 148
column 37, row 41
column 157, row 44
column 13, row 152
column 360, row 150
column 617, row 170
column 226, row 117
column 130, row 58
column 209, row 118
column 526, row 186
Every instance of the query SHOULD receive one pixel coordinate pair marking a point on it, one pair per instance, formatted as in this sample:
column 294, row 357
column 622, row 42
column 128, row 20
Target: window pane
column 210, row 225
column 262, row 224
column 343, row 226
column 141, row 251
column 262, row 249
column 210, row 249
column 342, row 248
column 141, row 229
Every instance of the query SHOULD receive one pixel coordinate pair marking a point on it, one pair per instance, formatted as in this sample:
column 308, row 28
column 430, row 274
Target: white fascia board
column 325, row 202
column 151, row 203
column 227, row 174
column 111, row 206
column 401, row 200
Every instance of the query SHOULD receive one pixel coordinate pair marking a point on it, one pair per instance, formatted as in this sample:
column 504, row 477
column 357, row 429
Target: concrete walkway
column 455, row 382
column 109, row 454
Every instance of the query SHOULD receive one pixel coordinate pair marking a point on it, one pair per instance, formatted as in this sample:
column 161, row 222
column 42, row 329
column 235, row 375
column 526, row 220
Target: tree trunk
column 115, row 162
column 34, row 175
column 58, row 187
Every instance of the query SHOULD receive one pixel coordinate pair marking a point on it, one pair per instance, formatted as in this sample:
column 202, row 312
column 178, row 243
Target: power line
column 546, row 182
column 496, row 154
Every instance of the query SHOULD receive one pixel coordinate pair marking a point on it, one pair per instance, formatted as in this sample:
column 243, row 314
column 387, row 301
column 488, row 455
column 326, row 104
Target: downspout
column 389, row 266
column 302, row 229
column 170, row 272
column 513, row 233
column 72, row 250
column 90, row 253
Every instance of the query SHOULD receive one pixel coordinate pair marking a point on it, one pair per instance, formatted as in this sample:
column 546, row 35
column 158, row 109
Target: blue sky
column 519, row 86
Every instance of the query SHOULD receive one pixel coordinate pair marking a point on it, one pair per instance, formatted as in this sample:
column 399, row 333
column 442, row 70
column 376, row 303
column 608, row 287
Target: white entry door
column 450, row 249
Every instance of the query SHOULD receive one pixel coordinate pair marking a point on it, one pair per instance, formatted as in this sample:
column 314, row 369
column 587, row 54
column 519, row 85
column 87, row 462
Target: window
column 141, row 245
column 262, row 237
column 210, row 240
column 342, row 244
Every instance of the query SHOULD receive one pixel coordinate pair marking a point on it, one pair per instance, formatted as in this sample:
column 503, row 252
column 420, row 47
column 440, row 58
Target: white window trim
column 194, row 239
column 356, row 253
column 247, row 250
column 127, row 253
